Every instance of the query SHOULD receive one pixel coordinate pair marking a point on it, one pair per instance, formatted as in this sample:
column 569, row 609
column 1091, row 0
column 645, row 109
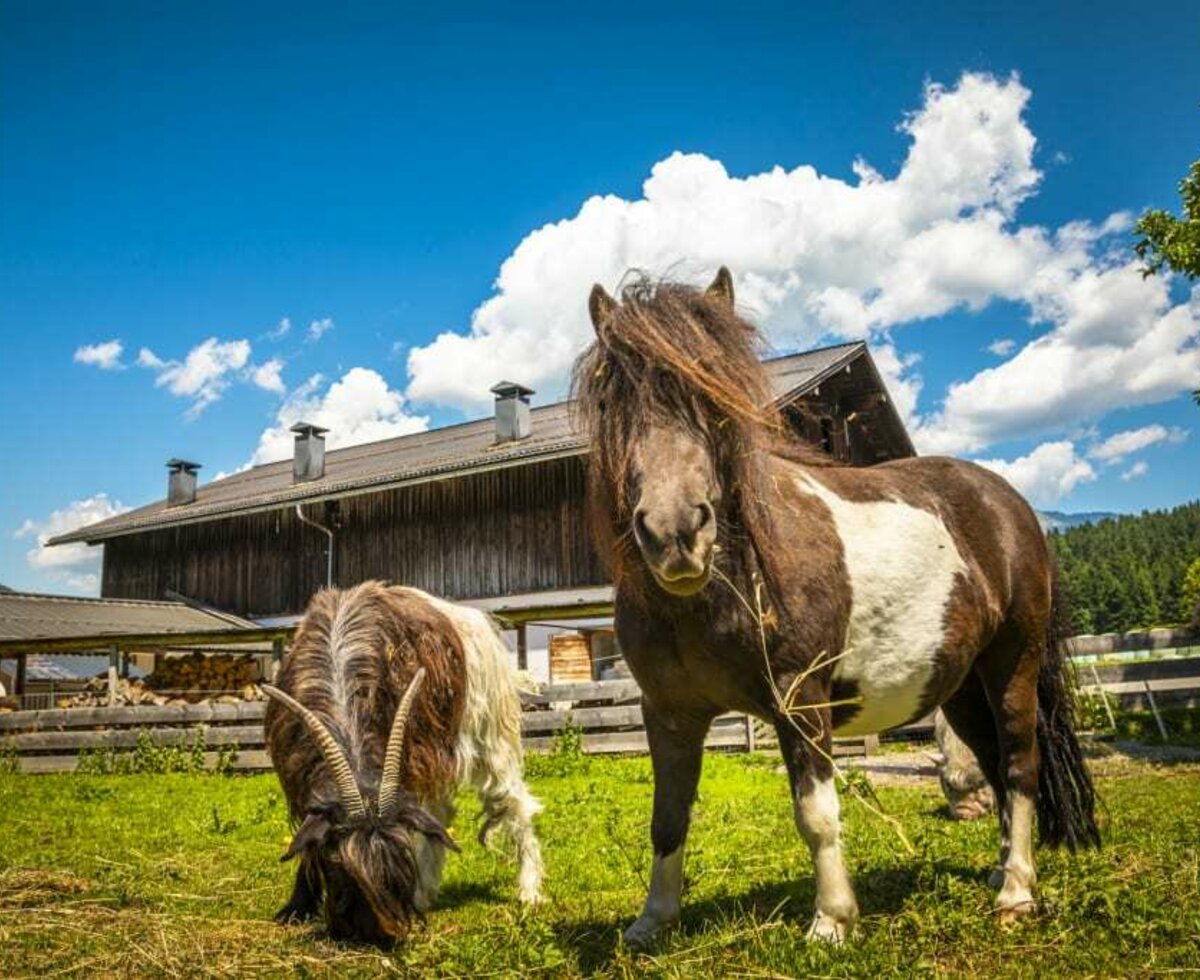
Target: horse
column 754, row 573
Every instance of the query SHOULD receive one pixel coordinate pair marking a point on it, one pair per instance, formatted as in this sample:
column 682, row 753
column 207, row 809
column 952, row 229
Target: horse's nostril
column 641, row 528
column 706, row 516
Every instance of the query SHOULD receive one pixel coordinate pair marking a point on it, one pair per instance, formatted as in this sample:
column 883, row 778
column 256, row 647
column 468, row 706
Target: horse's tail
column 1066, row 802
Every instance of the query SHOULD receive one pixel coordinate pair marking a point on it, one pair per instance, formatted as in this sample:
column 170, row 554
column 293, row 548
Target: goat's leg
column 305, row 902
column 506, row 801
column 677, row 752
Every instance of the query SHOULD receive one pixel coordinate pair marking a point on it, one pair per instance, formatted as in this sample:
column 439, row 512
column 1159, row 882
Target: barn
column 489, row 511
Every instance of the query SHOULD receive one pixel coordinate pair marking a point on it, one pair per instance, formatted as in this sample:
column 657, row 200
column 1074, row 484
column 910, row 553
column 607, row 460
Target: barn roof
column 28, row 618
column 439, row 453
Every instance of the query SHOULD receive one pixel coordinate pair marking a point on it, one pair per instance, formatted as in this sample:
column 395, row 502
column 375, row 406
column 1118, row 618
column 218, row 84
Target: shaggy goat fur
column 354, row 655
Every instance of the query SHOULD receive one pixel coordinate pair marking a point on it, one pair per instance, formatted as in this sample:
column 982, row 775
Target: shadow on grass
column 882, row 892
column 463, row 892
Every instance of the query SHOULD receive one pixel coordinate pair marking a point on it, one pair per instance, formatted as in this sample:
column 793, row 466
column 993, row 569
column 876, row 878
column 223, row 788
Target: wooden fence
column 606, row 714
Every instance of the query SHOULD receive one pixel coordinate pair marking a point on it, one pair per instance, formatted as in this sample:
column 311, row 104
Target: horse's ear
column 722, row 287
column 602, row 307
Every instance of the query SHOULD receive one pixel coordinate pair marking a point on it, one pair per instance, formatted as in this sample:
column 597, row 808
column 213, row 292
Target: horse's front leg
column 818, row 818
column 676, row 751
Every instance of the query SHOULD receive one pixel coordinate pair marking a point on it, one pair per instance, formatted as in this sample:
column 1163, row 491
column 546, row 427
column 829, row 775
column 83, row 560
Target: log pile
column 224, row 678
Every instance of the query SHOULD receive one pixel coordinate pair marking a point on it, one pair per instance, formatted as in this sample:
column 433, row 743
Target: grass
column 178, row 874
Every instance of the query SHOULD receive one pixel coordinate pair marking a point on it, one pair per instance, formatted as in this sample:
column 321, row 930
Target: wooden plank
column 1159, row 685
column 612, row 692
column 206, row 712
column 627, row 716
column 126, row 738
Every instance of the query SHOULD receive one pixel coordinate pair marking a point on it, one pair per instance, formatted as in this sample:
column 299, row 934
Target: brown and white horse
column 748, row 564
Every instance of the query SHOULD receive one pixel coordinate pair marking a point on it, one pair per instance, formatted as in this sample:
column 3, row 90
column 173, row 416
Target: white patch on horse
column 902, row 564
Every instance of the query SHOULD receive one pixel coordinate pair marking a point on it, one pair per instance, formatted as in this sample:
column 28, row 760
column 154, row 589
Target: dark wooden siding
column 501, row 533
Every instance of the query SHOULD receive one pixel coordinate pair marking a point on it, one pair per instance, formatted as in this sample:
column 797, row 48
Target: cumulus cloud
column 318, row 328
column 281, row 330
column 208, row 369
column 813, row 255
column 1140, row 468
column 106, row 356
column 77, row 566
column 360, row 407
column 1121, row 444
column 1047, row 474
column 267, row 376
column 817, row 258
column 204, row 374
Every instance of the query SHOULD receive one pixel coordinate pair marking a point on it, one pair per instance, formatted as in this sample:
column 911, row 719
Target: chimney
column 181, row 482
column 308, row 462
column 512, row 411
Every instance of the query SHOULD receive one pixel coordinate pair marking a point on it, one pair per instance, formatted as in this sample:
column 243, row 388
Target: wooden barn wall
column 509, row 531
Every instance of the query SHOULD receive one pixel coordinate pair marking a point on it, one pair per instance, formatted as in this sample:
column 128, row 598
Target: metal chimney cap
column 510, row 389
column 182, row 466
column 307, row 429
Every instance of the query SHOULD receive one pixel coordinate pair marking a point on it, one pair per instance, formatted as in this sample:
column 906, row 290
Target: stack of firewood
column 225, row 678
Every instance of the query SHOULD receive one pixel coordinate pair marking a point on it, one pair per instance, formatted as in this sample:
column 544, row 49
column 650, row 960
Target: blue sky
column 180, row 173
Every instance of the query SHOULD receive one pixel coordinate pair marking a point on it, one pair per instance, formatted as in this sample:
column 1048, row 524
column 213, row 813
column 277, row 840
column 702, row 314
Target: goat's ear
column 423, row 822
column 601, row 306
column 722, row 287
column 311, row 834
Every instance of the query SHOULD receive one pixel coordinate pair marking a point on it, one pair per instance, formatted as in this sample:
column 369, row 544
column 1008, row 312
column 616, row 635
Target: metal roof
column 32, row 617
column 439, row 453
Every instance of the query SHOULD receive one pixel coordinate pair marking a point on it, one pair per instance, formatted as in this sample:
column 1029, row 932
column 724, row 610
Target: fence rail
column 607, row 715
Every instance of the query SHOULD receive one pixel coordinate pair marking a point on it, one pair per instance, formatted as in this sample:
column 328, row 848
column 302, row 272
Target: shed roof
column 450, row 451
column 33, row 618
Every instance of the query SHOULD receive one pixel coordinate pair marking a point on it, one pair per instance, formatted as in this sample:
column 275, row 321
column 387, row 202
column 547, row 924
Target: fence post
column 750, row 733
column 114, row 657
column 522, row 648
column 1162, row 729
column 276, row 657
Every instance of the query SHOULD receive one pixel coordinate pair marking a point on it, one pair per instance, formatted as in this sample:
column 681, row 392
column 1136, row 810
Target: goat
column 388, row 702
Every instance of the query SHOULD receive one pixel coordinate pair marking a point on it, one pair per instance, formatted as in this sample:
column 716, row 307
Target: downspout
column 328, row 533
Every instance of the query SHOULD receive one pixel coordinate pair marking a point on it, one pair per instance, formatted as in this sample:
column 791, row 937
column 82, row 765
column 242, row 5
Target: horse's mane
column 670, row 353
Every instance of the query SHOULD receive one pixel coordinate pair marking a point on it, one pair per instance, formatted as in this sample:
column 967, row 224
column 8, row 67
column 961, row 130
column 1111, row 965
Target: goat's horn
column 335, row 758
column 389, row 781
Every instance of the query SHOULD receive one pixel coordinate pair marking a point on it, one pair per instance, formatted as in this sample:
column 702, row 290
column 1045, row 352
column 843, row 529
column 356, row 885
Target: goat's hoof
column 644, row 932
column 291, row 915
column 827, row 929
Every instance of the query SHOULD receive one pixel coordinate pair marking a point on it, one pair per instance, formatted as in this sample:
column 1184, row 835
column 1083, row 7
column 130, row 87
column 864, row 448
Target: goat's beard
column 371, row 884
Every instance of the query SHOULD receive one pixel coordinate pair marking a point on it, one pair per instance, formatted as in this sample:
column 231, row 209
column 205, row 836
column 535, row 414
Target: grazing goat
column 388, row 702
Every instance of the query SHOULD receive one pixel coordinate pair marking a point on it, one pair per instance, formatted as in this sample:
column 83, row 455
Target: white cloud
column 282, row 330
column 267, row 376
column 1116, row 342
column 106, row 356
column 358, row 408
column 205, row 373
column 1121, row 444
column 1140, row 468
column 75, row 565
column 318, row 328
column 1047, row 474
column 816, row 257
column 813, row 255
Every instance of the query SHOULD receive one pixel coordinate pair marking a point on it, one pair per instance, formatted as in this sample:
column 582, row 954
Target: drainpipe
column 329, row 553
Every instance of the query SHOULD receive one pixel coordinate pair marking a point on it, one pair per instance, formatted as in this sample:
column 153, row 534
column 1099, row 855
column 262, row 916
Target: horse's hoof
column 827, row 929
column 1011, row 914
column 644, row 932
column 996, row 878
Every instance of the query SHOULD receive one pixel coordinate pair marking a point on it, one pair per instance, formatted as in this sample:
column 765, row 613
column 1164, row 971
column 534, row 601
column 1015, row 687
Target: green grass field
column 179, row 875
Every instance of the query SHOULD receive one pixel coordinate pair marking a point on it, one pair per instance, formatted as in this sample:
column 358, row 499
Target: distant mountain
column 1056, row 520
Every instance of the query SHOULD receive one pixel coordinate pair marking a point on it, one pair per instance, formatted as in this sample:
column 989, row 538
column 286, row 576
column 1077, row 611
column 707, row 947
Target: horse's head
column 673, row 395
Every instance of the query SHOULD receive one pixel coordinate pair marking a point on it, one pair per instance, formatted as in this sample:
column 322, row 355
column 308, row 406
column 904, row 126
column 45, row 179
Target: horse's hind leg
column 676, row 752
column 1008, row 670
column 969, row 713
